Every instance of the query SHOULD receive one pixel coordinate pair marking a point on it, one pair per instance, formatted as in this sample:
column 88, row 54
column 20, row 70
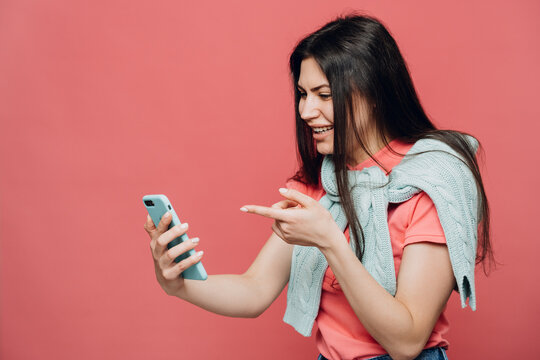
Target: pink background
column 102, row 102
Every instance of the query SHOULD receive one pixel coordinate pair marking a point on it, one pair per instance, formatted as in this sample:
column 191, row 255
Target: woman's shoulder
column 418, row 220
column 311, row 190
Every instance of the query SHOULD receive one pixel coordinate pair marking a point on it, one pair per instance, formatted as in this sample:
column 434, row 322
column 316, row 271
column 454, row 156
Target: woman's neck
column 374, row 145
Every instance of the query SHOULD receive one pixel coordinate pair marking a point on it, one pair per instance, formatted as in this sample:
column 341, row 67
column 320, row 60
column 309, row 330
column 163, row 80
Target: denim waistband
column 435, row 353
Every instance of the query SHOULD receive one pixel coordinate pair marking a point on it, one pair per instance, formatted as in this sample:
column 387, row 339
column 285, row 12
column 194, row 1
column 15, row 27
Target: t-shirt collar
column 385, row 156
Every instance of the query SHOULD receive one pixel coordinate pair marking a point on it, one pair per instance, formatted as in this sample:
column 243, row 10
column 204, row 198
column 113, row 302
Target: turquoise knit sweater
column 441, row 174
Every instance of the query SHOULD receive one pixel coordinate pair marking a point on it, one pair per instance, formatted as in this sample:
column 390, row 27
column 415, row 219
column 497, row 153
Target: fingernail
column 244, row 209
column 184, row 226
column 195, row 240
column 283, row 190
column 200, row 253
column 167, row 214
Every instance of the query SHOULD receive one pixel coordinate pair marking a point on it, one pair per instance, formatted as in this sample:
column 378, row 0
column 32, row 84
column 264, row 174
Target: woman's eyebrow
column 315, row 88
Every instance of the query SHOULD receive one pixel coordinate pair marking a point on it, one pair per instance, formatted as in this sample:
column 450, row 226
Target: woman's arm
column 244, row 295
column 401, row 324
column 248, row 294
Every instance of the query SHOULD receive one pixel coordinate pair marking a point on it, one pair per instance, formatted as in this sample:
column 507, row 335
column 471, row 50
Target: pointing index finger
column 273, row 213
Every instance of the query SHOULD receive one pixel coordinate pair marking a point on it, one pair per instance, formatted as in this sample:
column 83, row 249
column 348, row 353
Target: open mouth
column 322, row 130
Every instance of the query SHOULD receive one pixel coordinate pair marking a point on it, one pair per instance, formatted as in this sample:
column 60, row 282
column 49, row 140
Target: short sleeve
column 424, row 224
column 312, row 191
column 297, row 185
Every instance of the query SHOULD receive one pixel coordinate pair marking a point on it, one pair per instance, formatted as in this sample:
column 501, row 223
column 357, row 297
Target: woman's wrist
column 335, row 242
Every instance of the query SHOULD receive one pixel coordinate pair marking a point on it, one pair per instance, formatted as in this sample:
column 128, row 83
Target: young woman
column 378, row 226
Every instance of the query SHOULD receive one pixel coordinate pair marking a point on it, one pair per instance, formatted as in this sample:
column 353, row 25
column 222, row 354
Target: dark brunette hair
column 361, row 60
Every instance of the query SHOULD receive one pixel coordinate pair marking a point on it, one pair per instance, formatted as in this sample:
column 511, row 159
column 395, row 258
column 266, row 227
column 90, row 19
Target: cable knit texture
column 441, row 174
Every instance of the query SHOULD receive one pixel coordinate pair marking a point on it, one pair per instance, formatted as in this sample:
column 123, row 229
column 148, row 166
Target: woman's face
column 315, row 106
column 316, row 109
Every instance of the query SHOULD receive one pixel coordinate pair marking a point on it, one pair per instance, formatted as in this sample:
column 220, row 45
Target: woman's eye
column 322, row 96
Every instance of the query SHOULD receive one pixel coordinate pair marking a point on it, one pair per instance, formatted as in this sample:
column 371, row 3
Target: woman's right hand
column 167, row 271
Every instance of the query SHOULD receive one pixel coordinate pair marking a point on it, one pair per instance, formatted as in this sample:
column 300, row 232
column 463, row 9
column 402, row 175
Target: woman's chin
column 325, row 149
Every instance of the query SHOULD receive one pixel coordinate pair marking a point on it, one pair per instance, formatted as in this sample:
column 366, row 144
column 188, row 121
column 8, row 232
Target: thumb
column 297, row 196
column 149, row 224
column 285, row 204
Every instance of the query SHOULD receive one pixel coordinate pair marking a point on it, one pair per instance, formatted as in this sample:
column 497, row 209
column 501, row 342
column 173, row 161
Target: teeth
column 322, row 129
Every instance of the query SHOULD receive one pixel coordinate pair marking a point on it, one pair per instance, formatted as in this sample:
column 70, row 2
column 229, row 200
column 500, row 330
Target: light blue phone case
column 157, row 206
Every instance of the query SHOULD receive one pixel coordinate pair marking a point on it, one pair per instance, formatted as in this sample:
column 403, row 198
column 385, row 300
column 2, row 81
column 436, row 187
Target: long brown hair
column 360, row 58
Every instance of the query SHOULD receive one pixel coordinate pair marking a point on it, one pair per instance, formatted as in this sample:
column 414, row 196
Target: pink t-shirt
column 340, row 335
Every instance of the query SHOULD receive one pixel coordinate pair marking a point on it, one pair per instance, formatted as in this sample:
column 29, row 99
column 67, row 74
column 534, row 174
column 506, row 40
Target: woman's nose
column 309, row 108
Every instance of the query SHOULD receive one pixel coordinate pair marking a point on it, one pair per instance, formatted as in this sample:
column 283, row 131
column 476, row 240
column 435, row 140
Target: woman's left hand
column 300, row 220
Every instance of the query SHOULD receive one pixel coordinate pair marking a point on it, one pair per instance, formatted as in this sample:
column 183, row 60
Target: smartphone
column 157, row 206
